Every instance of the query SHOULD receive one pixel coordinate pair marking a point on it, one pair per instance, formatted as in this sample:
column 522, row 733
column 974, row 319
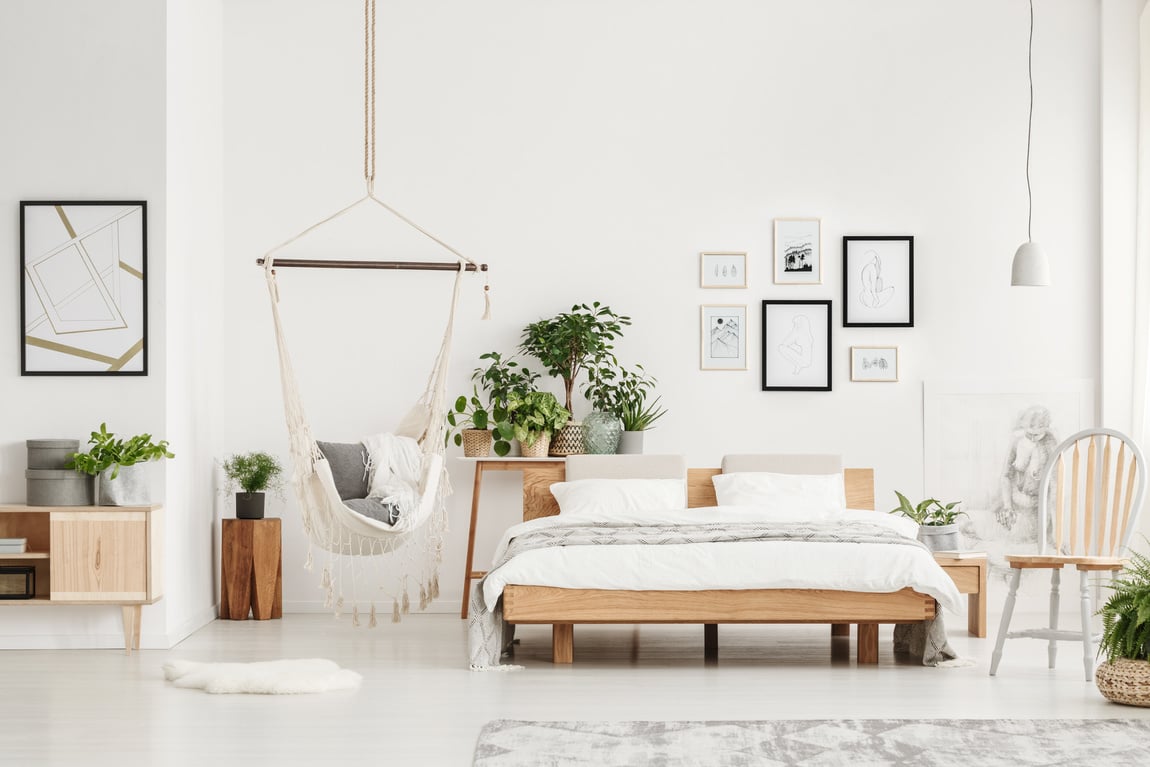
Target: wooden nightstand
column 969, row 574
column 251, row 575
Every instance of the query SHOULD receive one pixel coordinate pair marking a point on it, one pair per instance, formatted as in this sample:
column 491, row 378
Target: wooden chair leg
column 868, row 643
column 562, row 643
column 1055, row 599
column 711, row 641
column 840, row 629
column 1004, row 626
column 1087, row 636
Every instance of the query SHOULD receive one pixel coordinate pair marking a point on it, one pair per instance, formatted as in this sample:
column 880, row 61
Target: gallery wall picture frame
column 878, row 281
column 83, row 288
column 798, row 251
column 877, row 364
column 723, row 337
column 796, row 343
column 723, row 269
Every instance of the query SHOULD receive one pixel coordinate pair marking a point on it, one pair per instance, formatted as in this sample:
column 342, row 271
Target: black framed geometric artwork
column 878, row 282
column 796, row 345
column 83, row 288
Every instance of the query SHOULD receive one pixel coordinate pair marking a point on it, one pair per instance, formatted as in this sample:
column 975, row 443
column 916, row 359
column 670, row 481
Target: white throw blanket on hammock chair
column 395, row 468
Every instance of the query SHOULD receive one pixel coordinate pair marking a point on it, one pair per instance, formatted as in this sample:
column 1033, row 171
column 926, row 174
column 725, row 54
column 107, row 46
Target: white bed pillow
column 813, row 494
column 607, row 496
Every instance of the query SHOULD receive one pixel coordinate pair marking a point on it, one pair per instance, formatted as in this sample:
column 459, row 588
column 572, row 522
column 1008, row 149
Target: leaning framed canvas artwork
column 798, row 251
column 878, row 282
column 796, row 345
column 83, row 288
column 723, row 336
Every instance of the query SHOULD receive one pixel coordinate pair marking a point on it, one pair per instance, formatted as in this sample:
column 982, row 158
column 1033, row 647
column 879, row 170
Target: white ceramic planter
column 631, row 443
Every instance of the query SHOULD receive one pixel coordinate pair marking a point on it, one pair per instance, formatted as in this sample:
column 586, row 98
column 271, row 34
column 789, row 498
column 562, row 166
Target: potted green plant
column 1125, row 676
column 119, row 466
column 532, row 418
column 500, row 379
column 249, row 476
column 567, row 344
column 937, row 521
column 621, row 411
column 471, row 423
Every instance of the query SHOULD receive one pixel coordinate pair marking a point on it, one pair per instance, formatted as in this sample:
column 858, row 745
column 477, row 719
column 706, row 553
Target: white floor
column 419, row 705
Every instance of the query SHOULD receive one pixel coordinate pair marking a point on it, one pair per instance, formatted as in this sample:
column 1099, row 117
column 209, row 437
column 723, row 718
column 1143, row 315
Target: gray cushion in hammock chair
column 370, row 507
column 348, row 463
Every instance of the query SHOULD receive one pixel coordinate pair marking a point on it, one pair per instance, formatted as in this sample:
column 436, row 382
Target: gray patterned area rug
column 856, row 742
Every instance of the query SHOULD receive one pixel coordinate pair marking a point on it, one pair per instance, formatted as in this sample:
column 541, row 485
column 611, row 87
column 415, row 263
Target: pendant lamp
column 1030, row 265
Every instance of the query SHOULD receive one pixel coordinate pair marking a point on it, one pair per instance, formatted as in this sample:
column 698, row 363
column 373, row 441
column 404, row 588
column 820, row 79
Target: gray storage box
column 51, row 453
column 58, row 487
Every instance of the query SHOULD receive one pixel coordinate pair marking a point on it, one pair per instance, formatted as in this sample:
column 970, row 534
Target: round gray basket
column 51, row 453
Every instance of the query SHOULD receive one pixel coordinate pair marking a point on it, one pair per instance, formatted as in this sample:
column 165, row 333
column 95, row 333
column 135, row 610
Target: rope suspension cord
column 369, row 170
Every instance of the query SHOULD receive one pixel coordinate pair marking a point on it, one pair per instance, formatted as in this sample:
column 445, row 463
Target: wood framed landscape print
column 83, row 288
column 798, row 251
column 723, row 330
column 723, row 270
column 878, row 282
column 796, row 345
column 874, row 363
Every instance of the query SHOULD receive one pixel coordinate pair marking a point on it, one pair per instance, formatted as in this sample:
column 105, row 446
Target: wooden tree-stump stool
column 251, row 577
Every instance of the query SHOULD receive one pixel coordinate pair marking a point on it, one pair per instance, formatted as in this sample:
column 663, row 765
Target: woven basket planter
column 538, row 449
column 476, row 443
column 1124, row 681
column 568, row 440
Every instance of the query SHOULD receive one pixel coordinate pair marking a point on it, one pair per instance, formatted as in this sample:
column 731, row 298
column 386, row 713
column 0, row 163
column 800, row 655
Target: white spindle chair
column 1096, row 478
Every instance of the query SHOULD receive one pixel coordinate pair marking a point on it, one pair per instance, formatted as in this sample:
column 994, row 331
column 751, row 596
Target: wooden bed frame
column 563, row 608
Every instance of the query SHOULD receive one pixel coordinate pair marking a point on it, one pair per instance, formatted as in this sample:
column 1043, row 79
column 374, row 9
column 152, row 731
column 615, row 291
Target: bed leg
column 868, row 643
column 562, row 643
column 840, row 629
column 711, row 641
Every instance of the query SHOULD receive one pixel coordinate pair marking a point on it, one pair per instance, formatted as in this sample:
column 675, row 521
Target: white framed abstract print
column 798, row 251
column 723, row 269
column 874, row 363
column 723, row 334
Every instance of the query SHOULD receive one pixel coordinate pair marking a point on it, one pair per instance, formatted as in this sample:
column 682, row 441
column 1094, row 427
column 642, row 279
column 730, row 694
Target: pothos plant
column 568, row 343
column 109, row 452
column 930, row 512
column 533, row 415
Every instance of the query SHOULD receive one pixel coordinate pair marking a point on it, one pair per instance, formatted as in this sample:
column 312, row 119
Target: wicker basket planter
column 537, row 449
column 476, row 443
column 568, row 440
column 1124, row 681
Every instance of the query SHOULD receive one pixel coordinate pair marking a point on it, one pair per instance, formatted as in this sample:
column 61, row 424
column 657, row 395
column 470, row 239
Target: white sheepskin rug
column 276, row 677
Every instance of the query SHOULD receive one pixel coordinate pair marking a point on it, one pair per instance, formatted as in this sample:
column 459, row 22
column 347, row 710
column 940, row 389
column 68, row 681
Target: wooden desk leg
column 868, row 643
column 711, row 641
column 131, row 618
column 840, row 629
column 562, row 643
column 471, row 539
column 976, row 606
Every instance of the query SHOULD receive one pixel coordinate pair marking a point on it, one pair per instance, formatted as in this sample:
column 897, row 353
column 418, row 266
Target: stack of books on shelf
column 13, row 545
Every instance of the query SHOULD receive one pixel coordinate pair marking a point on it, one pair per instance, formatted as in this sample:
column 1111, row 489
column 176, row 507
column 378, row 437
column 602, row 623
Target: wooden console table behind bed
column 565, row 607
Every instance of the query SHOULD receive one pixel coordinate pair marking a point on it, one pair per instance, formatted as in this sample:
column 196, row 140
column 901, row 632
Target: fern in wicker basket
column 1125, row 641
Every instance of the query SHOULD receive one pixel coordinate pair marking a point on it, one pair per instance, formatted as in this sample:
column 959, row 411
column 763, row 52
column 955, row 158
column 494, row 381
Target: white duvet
column 743, row 565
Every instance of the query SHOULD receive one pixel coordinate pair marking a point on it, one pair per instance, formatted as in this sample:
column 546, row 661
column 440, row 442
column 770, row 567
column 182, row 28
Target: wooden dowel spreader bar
column 414, row 266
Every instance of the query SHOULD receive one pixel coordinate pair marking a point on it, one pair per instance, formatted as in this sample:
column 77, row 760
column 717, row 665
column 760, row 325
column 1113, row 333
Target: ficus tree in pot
column 250, row 475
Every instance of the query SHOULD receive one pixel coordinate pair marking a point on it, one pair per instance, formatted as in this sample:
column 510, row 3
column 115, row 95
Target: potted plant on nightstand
column 567, row 344
column 1125, row 676
column 532, row 419
column 119, row 466
column 501, row 379
column 250, row 475
column 937, row 521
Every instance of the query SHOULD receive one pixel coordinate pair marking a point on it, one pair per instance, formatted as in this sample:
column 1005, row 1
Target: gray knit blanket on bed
column 490, row 635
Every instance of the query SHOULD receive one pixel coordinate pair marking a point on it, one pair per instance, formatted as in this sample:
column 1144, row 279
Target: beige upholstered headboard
column 784, row 463
column 537, row 480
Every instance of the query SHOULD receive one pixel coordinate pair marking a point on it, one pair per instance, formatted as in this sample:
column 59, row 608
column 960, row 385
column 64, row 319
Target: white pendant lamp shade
column 1030, row 266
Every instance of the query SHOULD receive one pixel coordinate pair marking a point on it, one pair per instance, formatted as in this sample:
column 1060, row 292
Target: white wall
column 591, row 150
column 83, row 96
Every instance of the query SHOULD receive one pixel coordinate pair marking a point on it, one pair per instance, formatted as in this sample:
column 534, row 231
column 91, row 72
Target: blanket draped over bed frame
column 489, row 634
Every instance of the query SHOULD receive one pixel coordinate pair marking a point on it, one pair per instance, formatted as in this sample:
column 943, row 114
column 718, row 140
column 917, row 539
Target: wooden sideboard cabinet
column 90, row 555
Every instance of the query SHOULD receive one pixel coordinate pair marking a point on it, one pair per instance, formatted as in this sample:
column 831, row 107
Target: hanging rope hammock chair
column 329, row 522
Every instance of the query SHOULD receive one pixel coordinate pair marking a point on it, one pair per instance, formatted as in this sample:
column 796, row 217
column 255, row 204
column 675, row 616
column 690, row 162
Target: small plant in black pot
column 250, row 475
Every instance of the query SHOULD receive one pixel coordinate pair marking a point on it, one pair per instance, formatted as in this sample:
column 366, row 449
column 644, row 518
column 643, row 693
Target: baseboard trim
column 190, row 626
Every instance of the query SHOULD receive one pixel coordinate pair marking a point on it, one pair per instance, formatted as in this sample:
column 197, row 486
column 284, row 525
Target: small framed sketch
column 723, row 270
column 874, row 363
column 878, row 282
column 798, row 251
column 83, row 288
column 723, row 330
column 796, row 345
